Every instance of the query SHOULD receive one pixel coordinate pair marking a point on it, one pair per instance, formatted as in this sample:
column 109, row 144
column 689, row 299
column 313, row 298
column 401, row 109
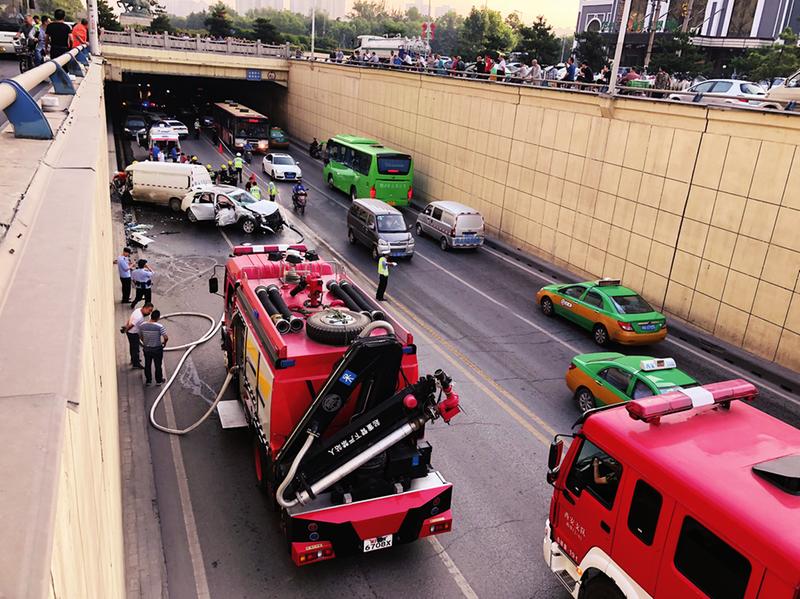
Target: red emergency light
column 241, row 250
column 253, row 120
column 651, row 409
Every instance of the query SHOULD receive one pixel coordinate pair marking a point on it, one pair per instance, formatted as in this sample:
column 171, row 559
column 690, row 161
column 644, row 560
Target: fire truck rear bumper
column 321, row 533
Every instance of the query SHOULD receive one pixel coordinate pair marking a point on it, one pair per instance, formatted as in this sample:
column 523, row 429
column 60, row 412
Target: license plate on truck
column 377, row 543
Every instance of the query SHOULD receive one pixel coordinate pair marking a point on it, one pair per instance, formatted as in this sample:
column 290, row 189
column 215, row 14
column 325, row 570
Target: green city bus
column 364, row 168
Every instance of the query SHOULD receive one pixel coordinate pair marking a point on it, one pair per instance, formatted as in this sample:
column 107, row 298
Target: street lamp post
column 623, row 26
column 654, row 16
column 313, row 26
column 94, row 38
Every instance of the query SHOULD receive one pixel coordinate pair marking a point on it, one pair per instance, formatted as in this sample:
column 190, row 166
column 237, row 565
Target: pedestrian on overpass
column 80, row 33
column 154, row 339
column 272, row 191
column 131, row 330
column 124, row 266
column 383, row 274
column 238, row 164
column 57, row 34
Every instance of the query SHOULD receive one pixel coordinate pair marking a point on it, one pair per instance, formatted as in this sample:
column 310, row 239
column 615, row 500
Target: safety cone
column 219, row 149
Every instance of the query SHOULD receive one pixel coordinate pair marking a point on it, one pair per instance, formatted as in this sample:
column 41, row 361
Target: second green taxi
column 604, row 378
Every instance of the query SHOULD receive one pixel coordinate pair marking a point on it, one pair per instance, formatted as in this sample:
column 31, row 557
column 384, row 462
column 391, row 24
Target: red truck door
column 699, row 562
column 645, row 514
column 587, row 513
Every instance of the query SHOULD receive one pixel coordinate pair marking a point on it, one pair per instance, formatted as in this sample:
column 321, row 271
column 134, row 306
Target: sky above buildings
column 562, row 14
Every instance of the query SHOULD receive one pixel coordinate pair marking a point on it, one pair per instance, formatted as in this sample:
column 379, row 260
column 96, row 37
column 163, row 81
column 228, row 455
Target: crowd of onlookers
column 498, row 68
column 40, row 36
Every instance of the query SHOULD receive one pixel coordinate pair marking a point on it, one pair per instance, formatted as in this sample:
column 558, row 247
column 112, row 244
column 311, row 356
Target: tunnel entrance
column 147, row 98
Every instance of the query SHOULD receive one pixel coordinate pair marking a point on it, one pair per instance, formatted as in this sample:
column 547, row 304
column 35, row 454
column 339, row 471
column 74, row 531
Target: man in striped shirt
column 154, row 339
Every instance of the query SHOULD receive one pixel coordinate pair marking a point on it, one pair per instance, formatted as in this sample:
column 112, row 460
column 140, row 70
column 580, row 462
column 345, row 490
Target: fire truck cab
column 329, row 386
column 684, row 495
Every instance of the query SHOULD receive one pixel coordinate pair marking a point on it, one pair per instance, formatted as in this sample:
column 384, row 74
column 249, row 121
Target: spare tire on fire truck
column 335, row 327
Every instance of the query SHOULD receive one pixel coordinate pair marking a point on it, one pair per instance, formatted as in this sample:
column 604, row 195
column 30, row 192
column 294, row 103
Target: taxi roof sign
column 657, row 364
column 606, row 282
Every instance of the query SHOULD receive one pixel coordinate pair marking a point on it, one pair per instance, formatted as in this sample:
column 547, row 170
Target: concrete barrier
column 698, row 207
column 60, row 504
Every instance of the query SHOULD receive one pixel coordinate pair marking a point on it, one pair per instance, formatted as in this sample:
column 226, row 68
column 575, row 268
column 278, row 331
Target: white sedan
column 724, row 91
column 281, row 167
column 178, row 127
column 229, row 205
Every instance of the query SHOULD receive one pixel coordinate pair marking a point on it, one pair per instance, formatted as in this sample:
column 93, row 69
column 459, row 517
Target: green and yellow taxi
column 607, row 309
column 278, row 138
column 604, row 378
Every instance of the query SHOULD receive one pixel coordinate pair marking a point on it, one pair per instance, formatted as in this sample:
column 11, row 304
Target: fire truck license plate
column 377, row 543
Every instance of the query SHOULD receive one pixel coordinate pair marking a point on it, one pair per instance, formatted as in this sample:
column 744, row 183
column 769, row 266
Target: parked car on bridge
column 788, row 92
column 604, row 378
column 732, row 91
column 229, row 205
column 281, row 167
column 607, row 309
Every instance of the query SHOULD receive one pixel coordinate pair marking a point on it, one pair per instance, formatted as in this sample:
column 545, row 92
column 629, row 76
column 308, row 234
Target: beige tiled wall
column 697, row 208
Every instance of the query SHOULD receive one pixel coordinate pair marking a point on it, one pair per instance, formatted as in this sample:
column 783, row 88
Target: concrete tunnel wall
column 697, row 207
column 61, row 520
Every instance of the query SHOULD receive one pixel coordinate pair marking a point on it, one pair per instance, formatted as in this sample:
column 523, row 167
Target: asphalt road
column 473, row 315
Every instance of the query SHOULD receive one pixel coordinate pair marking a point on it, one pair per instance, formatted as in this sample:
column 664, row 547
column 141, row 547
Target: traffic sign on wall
column 253, row 75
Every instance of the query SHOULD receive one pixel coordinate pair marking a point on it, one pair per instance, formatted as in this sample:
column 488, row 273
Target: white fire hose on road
column 189, row 348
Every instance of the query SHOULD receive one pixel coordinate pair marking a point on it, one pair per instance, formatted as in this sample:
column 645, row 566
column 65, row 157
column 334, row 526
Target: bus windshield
column 397, row 164
column 255, row 128
column 391, row 223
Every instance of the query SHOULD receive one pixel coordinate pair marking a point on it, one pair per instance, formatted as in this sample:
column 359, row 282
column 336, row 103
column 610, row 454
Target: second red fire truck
column 330, row 389
column 689, row 494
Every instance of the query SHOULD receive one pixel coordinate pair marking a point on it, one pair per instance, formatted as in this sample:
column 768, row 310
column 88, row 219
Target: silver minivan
column 380, row 227
column 452, row 224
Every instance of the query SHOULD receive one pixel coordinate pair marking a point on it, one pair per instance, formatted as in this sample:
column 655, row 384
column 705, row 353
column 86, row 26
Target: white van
column 453, row 224
column 165, row 183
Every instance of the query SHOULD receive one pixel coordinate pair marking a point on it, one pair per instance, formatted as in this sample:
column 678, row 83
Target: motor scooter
column 315, row 150
column 299, row 199
column 247, row 155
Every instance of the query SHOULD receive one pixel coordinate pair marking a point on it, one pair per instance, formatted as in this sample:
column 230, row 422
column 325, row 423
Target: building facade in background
column 755, row 19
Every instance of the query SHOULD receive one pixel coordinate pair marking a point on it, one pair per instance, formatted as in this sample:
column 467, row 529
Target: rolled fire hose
column 189, row 348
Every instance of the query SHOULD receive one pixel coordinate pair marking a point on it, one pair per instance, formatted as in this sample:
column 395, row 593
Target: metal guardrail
column 193, row 44
column 625, row 91
column 22, row 110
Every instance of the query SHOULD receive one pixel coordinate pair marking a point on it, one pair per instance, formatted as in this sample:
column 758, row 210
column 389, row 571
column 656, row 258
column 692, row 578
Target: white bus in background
column 383, row 45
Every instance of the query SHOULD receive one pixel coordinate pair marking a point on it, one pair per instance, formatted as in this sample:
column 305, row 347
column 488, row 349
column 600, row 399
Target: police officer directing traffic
column 238, row 164
column 383, row 274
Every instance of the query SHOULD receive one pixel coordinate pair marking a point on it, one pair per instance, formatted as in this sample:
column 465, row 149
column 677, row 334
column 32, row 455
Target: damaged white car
column 229, row 205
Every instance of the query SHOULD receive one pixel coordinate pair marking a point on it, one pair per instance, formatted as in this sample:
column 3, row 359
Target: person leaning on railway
column 154, row 338
column 124, row 265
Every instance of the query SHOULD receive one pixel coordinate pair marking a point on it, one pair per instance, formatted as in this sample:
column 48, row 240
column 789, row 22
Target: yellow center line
column 467, row 367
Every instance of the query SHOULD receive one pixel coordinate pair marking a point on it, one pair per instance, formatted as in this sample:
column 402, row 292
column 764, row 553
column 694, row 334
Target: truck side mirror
column 554, row 456
column 213, row 285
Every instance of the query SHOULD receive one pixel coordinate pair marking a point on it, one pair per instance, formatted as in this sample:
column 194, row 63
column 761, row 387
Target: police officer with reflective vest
column 238, row 164
column 383, row 274
column 272, row 190
column 255, row 191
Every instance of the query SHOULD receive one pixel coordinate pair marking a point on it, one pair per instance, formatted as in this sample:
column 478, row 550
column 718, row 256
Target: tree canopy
column 539, row 41
column 485, row 30
column 106, row 18
column 592, row 50
column 778, row 60
column 218, row 21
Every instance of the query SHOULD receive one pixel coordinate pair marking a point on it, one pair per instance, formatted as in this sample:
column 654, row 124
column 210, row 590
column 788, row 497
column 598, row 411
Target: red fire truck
column 330, row 389
column 682, row 495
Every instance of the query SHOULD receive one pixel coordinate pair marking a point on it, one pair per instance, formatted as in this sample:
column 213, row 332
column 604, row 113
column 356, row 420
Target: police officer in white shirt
column 131, row 330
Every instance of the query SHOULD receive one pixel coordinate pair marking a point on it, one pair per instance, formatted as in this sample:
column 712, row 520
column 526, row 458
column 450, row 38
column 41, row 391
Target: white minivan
column 164, row 183
column 452, row 224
